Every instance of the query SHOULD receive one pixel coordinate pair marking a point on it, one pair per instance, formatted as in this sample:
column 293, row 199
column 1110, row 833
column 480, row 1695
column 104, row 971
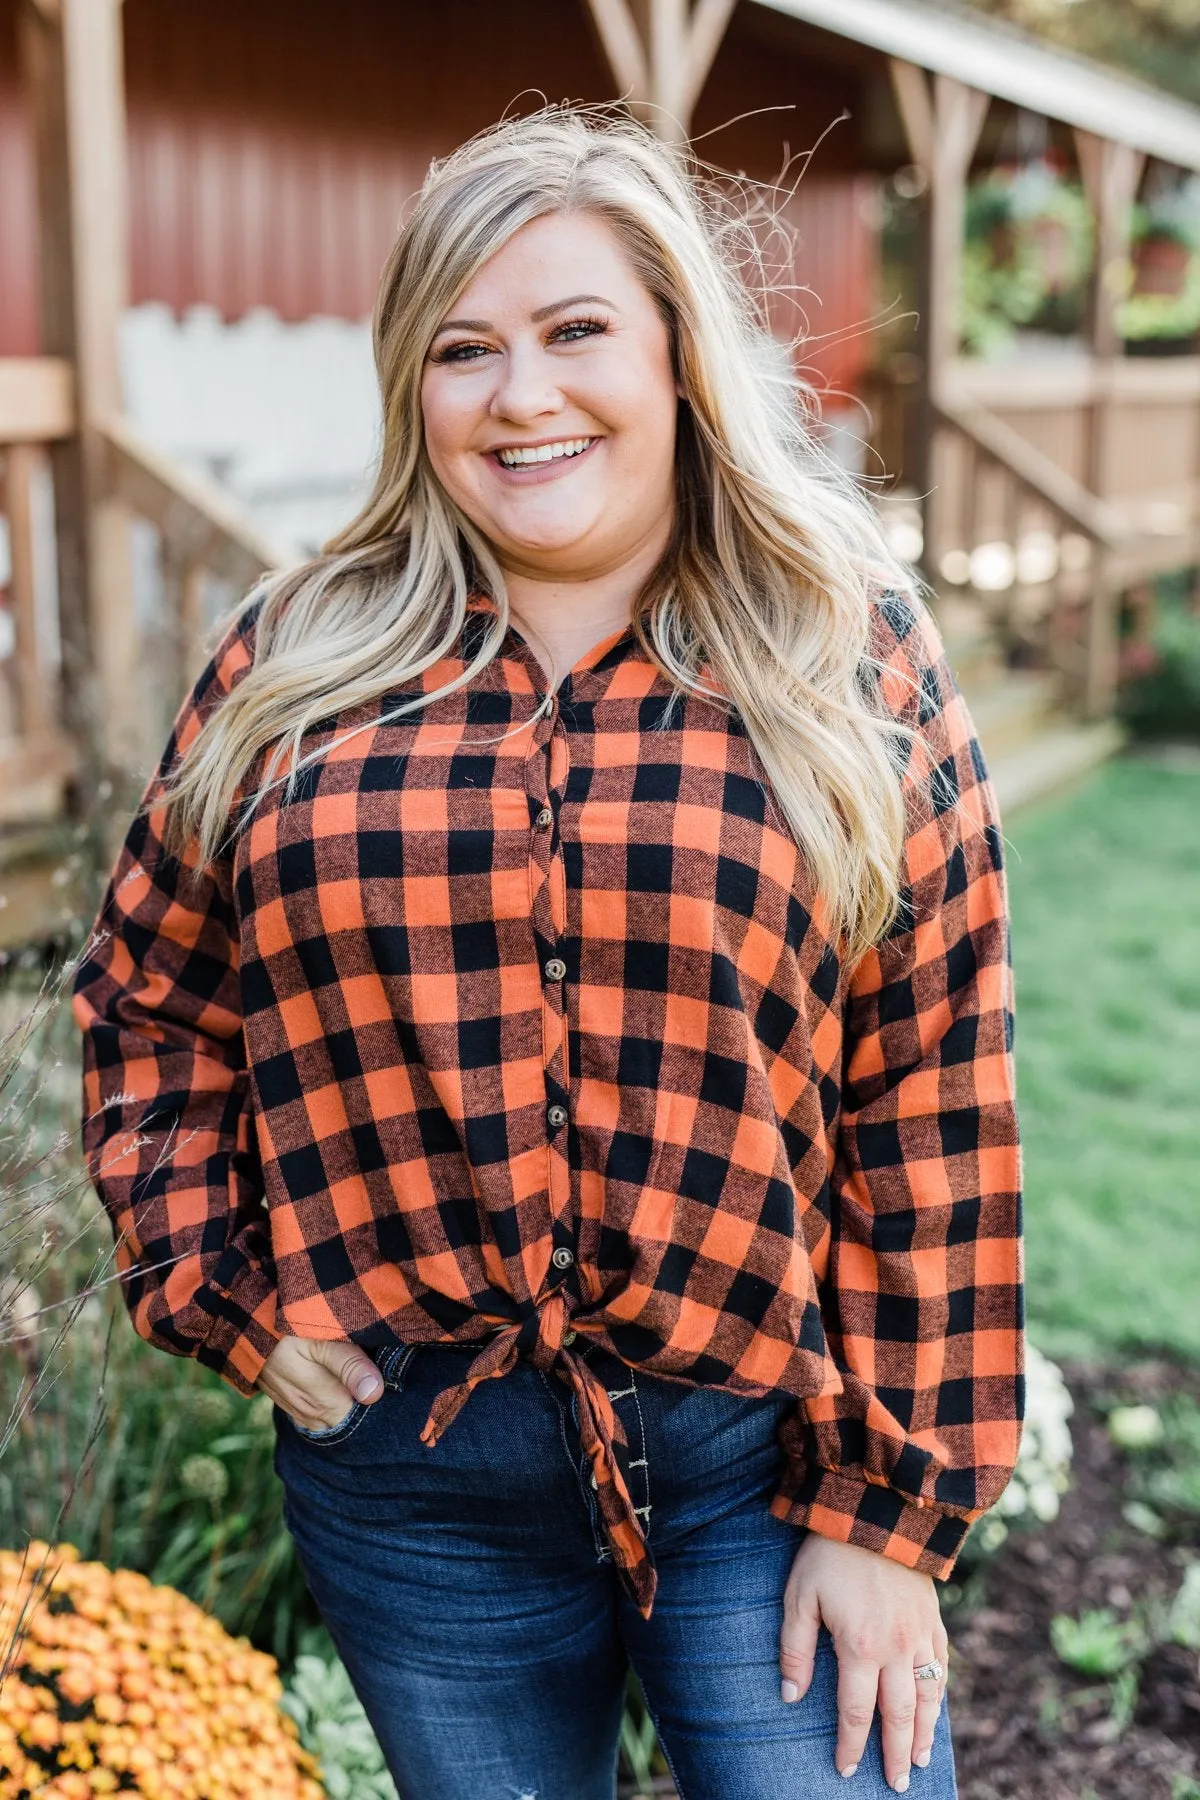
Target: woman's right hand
column 317, row 1380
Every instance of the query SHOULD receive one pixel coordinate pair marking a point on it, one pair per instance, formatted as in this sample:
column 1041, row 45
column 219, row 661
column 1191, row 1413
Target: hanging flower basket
column 1027, row 254
column 1160, row 315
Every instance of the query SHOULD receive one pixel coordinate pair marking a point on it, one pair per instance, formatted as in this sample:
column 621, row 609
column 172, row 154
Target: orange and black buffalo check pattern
column 526, row 1030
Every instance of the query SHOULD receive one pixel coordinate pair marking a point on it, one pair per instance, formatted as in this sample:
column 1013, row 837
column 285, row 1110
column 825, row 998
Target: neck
column 563, row 616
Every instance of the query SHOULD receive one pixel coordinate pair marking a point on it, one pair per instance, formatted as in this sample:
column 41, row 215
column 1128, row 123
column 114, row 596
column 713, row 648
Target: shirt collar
column 599, row 661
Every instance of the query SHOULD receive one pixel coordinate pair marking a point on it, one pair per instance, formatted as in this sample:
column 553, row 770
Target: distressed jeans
column 470, row 1593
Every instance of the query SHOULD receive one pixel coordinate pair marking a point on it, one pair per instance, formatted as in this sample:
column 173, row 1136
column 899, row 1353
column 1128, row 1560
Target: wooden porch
column 1040, row 498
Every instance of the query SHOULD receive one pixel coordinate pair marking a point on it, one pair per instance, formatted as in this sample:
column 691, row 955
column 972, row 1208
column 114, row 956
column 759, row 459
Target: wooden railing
column 1031, row 545
column 205, row 550
column 204, row 536
column 1051, row 496
column 37, row 757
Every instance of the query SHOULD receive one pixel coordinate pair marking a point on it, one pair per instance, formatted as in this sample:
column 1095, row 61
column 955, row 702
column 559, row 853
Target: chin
column 547, row 542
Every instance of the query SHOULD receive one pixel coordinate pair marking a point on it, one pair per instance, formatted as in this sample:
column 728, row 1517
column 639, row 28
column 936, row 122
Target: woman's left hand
column 885, row 1621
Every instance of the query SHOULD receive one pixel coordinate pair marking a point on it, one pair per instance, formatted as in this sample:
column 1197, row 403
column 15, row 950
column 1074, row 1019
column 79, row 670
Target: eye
column 573, row 330
column 460, row 353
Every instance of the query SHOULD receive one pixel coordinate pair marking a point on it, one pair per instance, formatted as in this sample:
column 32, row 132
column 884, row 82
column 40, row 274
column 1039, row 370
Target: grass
column 1105, row 889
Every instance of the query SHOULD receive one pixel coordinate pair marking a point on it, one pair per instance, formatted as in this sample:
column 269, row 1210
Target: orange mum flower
column 118, row 1686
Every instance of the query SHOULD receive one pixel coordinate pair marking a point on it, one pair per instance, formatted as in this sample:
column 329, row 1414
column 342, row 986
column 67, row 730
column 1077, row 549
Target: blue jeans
column 470, row 1592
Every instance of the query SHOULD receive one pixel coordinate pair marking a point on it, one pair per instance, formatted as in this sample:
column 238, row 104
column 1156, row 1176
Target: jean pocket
column 392, row 1361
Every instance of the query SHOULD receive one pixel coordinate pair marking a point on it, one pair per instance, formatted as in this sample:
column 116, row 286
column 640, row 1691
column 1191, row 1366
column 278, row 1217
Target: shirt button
column 562, row 1259
column 545, row 819
column 556, row 1116
column 555, row 969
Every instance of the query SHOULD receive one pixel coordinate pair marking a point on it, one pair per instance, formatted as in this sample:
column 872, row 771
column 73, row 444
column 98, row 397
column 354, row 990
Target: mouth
column 537, row 462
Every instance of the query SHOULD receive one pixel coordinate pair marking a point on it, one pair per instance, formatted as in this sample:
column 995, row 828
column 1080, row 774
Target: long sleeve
column 922, row 1298
column 168, row 1128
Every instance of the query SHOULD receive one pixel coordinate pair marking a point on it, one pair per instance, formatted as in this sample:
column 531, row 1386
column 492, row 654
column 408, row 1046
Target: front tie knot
column 540, row 1338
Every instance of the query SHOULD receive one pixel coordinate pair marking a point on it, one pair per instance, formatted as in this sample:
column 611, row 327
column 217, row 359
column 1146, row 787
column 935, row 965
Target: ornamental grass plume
column 116, row 1686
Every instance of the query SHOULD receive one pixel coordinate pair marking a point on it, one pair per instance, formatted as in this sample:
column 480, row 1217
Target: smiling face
column 549, row 404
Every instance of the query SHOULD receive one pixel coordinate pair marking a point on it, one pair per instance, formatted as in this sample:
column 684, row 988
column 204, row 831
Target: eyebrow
column 543, row 312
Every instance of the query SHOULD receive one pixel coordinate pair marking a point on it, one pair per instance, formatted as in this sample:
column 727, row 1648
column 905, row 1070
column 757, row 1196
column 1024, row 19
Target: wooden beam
column 710, row 21
column 37, row 399
column 668, row 39
column 201, row 524
column 914, row 103
column 71, row 58
column 660, row 54
column 623, row 48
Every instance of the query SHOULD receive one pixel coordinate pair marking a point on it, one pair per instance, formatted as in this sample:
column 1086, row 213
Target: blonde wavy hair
column 767, row 582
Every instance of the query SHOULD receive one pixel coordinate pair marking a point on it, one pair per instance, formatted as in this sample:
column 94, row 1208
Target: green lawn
column 1105, row 891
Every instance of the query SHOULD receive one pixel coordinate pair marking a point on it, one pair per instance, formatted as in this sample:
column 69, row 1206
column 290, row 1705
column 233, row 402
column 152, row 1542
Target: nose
column 527, row 388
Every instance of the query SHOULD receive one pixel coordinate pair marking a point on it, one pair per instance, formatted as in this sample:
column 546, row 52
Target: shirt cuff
column 853, row 1510
column 244, row 1300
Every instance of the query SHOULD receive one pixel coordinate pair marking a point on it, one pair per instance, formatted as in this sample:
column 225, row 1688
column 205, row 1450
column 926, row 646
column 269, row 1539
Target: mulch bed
column 1025, row 1726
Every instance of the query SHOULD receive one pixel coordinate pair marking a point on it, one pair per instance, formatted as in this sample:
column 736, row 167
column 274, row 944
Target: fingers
column 354, row 1369
column 798, row 1641
column 898, row 1714
column 315, row 1380
column 858, row 1683
column 929, row 1702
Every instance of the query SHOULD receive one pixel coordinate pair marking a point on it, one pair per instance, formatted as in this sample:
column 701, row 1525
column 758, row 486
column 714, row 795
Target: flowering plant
column 335, row 1728
column 113, row 1685
column 1043, row 1471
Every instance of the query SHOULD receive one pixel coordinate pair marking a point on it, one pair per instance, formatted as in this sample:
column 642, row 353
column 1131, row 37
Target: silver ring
column 930, row 1671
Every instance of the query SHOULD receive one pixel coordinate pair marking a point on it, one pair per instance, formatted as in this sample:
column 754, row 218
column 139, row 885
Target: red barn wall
column 274, row 143
column 18, row 219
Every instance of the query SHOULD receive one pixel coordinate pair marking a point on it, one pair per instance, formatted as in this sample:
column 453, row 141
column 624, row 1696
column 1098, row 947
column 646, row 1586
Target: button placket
column 548, row 768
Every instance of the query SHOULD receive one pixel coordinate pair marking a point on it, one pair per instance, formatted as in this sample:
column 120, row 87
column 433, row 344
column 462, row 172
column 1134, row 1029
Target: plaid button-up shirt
column 526, row 1028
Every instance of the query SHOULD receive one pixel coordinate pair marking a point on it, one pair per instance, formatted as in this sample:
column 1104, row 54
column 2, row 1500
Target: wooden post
column 1110, row 173
column 34, row 700
column 71, row 55
column 660, row 53
column 959, row 113
column 942, row 127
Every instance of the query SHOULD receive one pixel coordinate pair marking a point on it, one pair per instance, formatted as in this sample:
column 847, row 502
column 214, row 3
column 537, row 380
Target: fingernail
column 901, row 1784
column 790, row 1691
column 850, row 1769
column 368, row 1387
column 922, row 1761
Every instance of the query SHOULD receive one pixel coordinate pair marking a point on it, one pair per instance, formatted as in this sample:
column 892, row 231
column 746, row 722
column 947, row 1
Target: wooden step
column 1046, row 765
column 33, row 775
column 1011, row 707
column 970, row 644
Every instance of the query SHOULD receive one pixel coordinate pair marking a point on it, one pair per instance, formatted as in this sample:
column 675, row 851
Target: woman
column 565, row 944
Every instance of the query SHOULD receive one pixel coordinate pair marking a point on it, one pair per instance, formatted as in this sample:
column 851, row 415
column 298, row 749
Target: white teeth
column 544, row 453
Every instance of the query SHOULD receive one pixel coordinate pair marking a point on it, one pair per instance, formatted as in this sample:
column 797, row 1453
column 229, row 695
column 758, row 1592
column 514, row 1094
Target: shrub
column 112, row 1684
column 335, row 1729
column 1097, row 1643
column 143, row 1460
column 1164, row 701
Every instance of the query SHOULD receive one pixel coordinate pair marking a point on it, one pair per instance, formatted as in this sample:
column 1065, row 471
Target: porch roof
column 998, row 58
